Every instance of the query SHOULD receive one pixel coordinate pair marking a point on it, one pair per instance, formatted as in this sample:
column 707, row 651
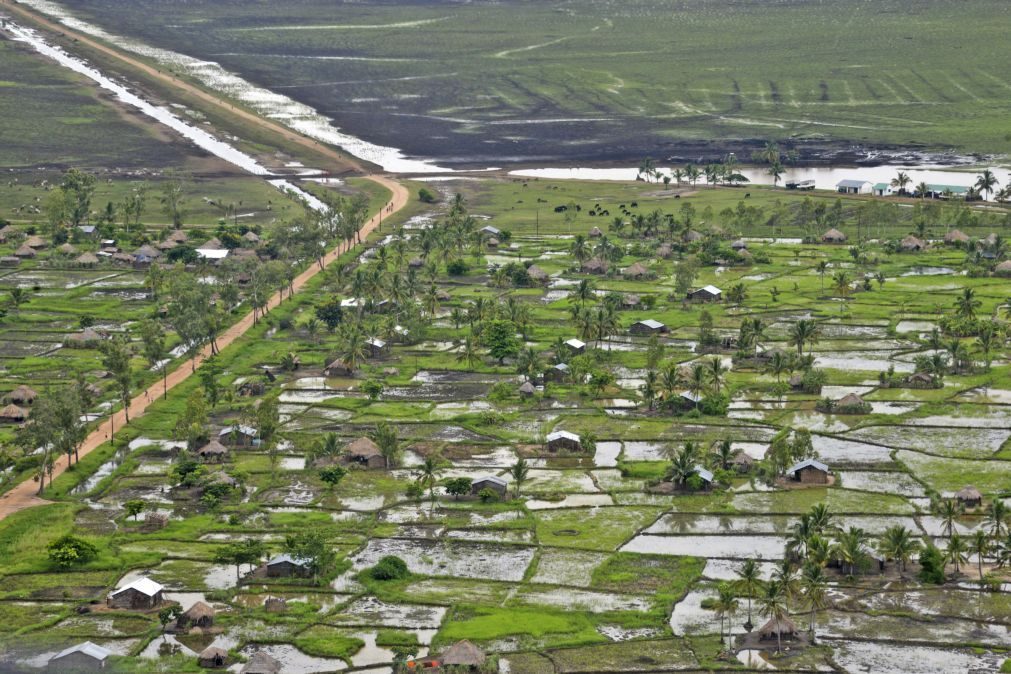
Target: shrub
column 487, row 495
column 457, row 267
column 427, row 196
column 69, row 550
column 390, row 567
column 931, row 565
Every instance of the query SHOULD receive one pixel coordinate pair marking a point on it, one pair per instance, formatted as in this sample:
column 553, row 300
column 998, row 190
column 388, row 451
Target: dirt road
column 23, row 495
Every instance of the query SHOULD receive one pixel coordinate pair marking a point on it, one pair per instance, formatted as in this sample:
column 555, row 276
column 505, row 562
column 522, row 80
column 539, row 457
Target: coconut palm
column 841, row 279
column 796, row 542
column 726, row 605
column 996, row 518
column 650, row 388
column 353, row 348
column 428, row 476
column 678, row 175
column 898, row 544
column 778, row 364
column 979, row 545
column 921, row 190
column 584, row 291
column 849, row 549
column 773, row 604
column 776, row 171
column 749, row 582
column 579, row 249
column 469, row 353
column 519, row 472
column 821, row 518
column 814, row 591
column 986, row 340
column 822, row 269
column 804, row 332
column 697, row 381
column 966, row 304
column 529, row 363
column 717, row 373
column 724, row 454
column 819, row 550
column 900, row 181
column 986, row 182
column 957, row 551
column 949, row 511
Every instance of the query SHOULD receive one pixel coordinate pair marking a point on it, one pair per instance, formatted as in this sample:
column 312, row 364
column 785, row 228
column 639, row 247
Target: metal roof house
column 142, row 593
column 647, row 327
column 708, row 293
column 576, row 345
column 810, row 471
column 854, row 186
column 80, row 658
column 287, row 566
column 492, row 482
column 239, row 435
column 563, row 440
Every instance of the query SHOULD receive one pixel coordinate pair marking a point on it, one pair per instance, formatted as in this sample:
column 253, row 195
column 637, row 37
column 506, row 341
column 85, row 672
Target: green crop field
column 602, row 80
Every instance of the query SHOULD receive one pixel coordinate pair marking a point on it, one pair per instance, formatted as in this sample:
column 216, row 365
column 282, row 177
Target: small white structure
column 80, row 658
column 576, row 345
column 563, row 440
column 854, row 186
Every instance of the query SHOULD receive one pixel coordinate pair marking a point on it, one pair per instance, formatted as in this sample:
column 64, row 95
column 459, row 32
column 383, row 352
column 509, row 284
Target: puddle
column 567, row 567
column 294, row 660
column 642, row 451
column 892, row 658
column 836, row 450
column 373, row 612
column 726, row 569
column 857, row 360
column 451, row 558
column 583, row 600
column 907, row 326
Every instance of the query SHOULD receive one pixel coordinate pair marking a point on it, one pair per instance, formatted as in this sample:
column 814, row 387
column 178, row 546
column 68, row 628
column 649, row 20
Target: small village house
column 1003, row 269
column 956, row 236
column 287, row 566
column 575, row 346
column 338, row 368
column 647, row 327
column 594, row 266
column 833, row 236
column 536, row 274
column 489, row 231
column 13, row 414
column 22, row 395
column 810, row 471
column 595, row 233
column 377, row 347
column 635, row 271
column 213, row 451
column 86, row 657
column 199, row 615
column 912, row 244
column 526, row 389
column 25, row 252
column 141, row 594
column 557, row 373
column 739, row 245
column 709, row 293
column 706, row 476
column 854, row 186
column 493, row 482
column 781, row 629
column 563, row 441
column 36, row 242
column 213, row 657
column 238, row 435
column 969, row 497
column 461, row 656
column 365, row 452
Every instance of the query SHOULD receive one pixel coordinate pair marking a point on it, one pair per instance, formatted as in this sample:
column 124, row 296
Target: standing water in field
column 198, row 137
column 274, row 106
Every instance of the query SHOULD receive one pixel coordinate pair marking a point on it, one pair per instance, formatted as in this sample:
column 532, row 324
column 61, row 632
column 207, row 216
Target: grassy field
column 598, row 80
column 589, row 568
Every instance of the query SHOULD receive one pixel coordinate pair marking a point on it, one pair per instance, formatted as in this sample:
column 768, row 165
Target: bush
column 487, row 495
column 715, row 405
column 457, row 267
column 69, row 550
column 931, row 565
column 427, row 196
column 390, row 567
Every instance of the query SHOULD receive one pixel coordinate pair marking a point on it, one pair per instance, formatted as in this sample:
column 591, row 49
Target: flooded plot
column 726, row 569
column 295, row 661
column 567, row 567
column 724, row 547
column 555, row 481
column 969, row 416
column 907, row 326
column 950, row 630
column 463, row 560
column 606, row 455
column 836, row 450
column 865, row 361
column 373, row 612
column 611, row 480
column 953, row 442
column 884, row 482
column 572, row 501
column 583, row 600
column 643, row 451
column 674, row 524
column 893, row 658
column 688, row 616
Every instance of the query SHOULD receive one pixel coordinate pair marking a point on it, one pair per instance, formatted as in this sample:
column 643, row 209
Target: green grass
column 481, row 623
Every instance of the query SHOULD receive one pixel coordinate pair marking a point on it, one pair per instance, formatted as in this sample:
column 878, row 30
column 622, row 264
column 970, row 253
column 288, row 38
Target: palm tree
column 519, row 472
column 814, row 587
column 842, row 283
column 682, row 465
column 385, row 436
column 528, row 363
column 646, row 168
column 776, row 171
column 803, row 332
column 697, row 381
column 980, row 546
column 428, row 476
column 949, row 511
column 773, row 604
column 584, row 292
column 469, row 353
column 579, row 249
column 986, row 182
column 849, row 548
column 749, row 581
column 821, row 518
column 986, row 340
column 797, row 541
column 650, row 389
column 966, row 304
column 900, row 181
column 717, row 372
column 996, row 517
column 898, row 544
column 724, row 454
column 956, row 551
column 725, row 606
column 353, row 347
column 921, row 190
column 822, row 268
column 678, row 175
column 778, row 364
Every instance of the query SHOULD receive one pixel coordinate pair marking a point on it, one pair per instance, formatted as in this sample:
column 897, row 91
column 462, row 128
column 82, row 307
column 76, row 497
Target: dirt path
column 343, row 160
column 23, row 495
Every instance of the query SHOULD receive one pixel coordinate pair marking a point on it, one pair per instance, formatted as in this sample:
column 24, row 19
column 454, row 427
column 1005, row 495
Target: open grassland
column 599, row 80
column 590, row 567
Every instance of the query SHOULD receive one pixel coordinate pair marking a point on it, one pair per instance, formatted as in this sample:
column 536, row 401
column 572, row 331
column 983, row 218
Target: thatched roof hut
column 527, row 389
column 956, row 236
column 213, row 657
column 969, row 497
column 463, row 654
column 783, row 628
column 261, row 663
column 67, row 249
column 635, row 270
column 25, row 251
column 23, row 395
column 36, row 242
column 13, row 413
column 198, row 615
column 536, row 273
column 833, row 236
column 1003, row 269
column 86, row 259
column 212, row 450
column 912, row 244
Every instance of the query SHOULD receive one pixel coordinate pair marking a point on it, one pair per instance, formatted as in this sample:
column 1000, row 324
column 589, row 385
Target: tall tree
column 116, row 359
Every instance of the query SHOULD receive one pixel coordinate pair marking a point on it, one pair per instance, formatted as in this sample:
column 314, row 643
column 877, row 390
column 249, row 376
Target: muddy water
column 723, row 547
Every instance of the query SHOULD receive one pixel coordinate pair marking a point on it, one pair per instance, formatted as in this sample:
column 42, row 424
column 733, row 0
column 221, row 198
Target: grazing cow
column 561, row 209
column 747, row 195
column 634, row 204
column 677, row 196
